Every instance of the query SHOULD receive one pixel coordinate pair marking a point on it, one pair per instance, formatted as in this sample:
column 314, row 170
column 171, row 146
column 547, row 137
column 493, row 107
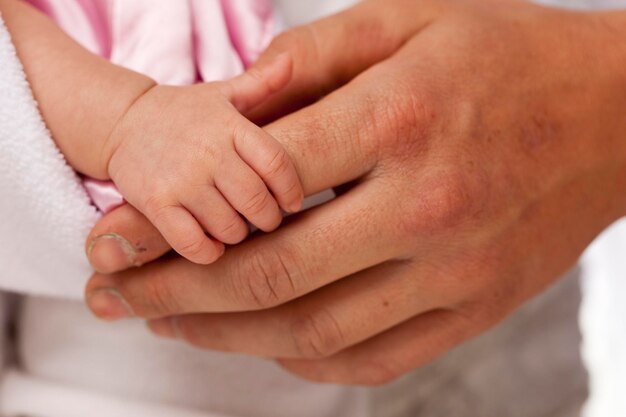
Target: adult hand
column 483, row 141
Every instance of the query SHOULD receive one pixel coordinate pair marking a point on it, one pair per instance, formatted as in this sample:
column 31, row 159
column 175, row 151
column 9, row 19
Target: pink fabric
column 176, row 42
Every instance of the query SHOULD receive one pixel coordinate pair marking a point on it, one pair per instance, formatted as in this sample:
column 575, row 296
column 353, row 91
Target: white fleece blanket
column 45, row 213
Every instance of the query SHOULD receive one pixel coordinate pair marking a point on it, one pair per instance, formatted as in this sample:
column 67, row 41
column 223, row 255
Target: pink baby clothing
column 175, row 42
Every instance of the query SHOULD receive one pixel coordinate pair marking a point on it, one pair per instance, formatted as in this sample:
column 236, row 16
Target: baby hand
column 188, row 160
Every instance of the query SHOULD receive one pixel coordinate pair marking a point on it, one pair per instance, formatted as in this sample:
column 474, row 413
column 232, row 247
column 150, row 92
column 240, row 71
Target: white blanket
column 45, row 213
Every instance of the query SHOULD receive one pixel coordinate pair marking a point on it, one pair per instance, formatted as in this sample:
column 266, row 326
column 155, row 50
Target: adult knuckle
column 317, row 335
column 158, row 294
column 405, row 116
column 442, row 205
column 267, row 278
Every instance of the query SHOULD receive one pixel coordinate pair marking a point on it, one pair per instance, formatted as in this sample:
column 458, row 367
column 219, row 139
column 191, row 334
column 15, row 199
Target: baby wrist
column 133, row 92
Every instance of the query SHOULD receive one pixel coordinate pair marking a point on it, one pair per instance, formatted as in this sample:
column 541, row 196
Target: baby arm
column 80, row 95
column 184, row 156
column 188, row 159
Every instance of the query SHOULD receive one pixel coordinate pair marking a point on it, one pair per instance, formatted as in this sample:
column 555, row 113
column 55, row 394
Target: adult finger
column 331, row 319
column 331, row 143
column 338, row 139
column 386, row 357
column 122, row 239
column 264, row 272
column 328, row 53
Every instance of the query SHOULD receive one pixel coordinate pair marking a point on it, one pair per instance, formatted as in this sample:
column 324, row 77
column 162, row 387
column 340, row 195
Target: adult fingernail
column 108, row 304
column 166, row 328
column 110, row 253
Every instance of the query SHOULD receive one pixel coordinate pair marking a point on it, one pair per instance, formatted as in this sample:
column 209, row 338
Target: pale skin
column 184, row 156
column 481, row 145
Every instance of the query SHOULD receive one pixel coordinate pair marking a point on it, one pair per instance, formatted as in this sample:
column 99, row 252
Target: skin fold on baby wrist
column 138, row 87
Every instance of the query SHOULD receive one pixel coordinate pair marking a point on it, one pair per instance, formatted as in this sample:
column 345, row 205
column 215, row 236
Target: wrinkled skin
column 481, row 148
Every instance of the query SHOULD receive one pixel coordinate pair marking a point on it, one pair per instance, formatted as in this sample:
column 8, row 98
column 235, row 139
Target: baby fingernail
column 110, row 253
column 108, row 304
